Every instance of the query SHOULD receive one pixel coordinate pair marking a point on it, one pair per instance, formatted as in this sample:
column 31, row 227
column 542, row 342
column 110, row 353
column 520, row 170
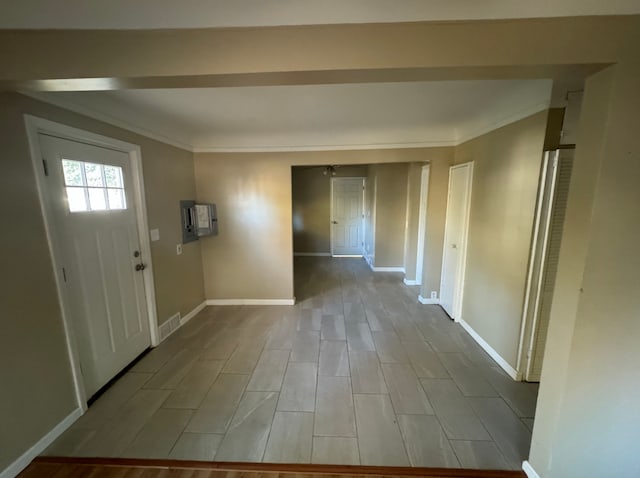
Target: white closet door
column 455, row 238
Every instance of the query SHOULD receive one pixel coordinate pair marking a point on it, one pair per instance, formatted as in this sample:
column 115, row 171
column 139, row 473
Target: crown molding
column 325, row 147
column 537, row 108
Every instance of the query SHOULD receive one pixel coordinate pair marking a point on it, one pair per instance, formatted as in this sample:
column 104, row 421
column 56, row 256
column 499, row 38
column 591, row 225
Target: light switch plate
column 155, row 234
column 178, row 249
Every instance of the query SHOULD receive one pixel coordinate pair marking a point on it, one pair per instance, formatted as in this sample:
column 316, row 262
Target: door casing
column 422, row 221
column 34, row 126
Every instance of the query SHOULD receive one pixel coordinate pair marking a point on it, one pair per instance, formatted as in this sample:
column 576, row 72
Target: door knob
column 454, row 246
column 140, row 267
column 334, row 222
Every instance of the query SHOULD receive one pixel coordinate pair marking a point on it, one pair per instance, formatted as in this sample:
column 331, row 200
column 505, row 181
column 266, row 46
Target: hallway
column 357, row 372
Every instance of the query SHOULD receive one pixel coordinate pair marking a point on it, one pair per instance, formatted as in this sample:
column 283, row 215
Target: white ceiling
column 349, row 116
column 138, row 14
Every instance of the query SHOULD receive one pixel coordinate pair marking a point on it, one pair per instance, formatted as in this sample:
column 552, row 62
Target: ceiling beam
column 316, row 54
column 297, row 78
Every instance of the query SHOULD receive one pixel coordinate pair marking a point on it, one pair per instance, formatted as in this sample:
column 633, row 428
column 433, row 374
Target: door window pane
column 94, row 174
column 93, row 186
column 116, row 199
column 72, row 172
column 97, row 199
column 77, row 199
column 113, row 175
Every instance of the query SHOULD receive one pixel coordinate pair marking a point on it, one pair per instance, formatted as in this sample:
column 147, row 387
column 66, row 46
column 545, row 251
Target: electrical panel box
column 188, row 216
column 198, row 220
column 207, row 220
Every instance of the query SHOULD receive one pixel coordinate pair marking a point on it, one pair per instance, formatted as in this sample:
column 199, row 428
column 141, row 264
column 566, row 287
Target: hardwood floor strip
column 44, row 466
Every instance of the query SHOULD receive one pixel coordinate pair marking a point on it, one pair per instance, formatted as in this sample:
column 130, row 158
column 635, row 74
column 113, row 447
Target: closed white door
column 347, row 195
column 95, row 222
column 455, row 239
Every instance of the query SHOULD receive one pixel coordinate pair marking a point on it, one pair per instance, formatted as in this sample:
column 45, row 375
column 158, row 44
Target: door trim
column 35, row 126
column 362, row 179
column 425, row 171
column 457, row 304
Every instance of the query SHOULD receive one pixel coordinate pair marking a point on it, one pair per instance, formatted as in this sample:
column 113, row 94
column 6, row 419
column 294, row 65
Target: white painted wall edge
column 410, row 281
column 251, row 301
column 424, row 300
column 386, row 269
column 529, row 471
column 313, row 254
column 491, row 351
column 21, row 463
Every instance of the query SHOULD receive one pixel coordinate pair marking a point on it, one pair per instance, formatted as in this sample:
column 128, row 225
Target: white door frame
column 422, row 221
column 533, row 288
column 34, row 127
column 457, row 305
column 331, row 216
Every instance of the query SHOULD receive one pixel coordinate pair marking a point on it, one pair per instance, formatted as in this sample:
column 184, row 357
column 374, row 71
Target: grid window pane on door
column 93, row 186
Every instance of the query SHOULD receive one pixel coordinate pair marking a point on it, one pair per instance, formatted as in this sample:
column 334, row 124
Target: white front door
column 90, row 191
column 347, row 198
column 455, row 239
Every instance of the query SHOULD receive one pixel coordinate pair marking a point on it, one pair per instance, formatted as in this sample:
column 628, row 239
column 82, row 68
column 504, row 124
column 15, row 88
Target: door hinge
column 45, row 167
column 64, row 274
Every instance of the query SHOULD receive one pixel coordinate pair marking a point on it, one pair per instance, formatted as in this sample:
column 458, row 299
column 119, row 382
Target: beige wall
column 311, row 196
column 505, row 182
column 391, row 212
column 587, row 417
column 252, row 256
column 35, row 362
column 414, row 175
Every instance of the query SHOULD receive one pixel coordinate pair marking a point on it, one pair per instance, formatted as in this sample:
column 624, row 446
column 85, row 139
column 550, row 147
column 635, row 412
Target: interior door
column 347, row 218
column 90, row 190
column 455, row 239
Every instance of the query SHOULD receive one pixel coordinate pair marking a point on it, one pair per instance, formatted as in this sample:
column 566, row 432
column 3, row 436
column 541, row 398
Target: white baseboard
column 385, row 269
column 21, row 463
column 410, row 281
column 424, row 300
column 490, row 350
column 529, row 471
column 193, row 313
column 251, row 301
column 313, row 254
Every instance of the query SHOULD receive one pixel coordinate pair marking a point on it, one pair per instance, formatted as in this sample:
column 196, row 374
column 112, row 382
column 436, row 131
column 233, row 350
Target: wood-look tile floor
column 357, row 372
